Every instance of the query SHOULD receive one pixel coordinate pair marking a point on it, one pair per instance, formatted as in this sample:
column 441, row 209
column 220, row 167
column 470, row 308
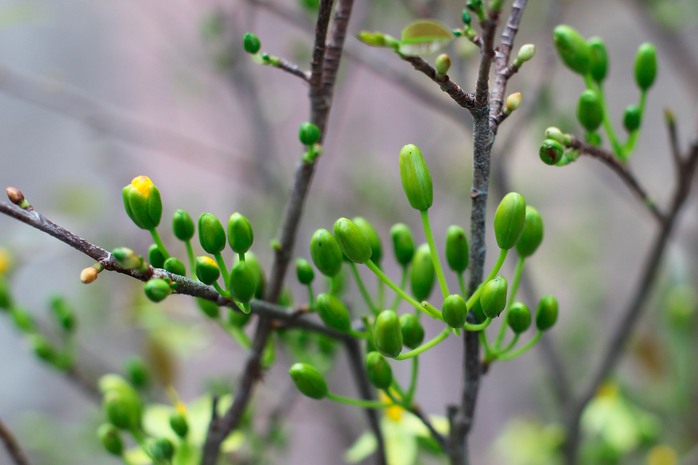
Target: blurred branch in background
column 13, row 448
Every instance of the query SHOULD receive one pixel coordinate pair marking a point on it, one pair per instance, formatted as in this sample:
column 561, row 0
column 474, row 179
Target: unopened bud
column 512, row 103
column 590, row 110
column 416, row 179
column 632, row 118
column 15, row 195
column 551, row 151
column 509, row 220
column 572, row 48
column 442, row 65
column 352, row 241
column 89, row 275
column 519, row 317
column 645, row 66
column 308, row 380
column 251, row 43
column 526, row 52
column 598, row 59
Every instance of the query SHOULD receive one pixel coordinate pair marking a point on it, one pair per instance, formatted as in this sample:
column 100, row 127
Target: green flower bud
column 442, row 64
column 493, row 297
column 454, row 311
column 207, row 270
column 22, row 320
column 477, row 312
column 412, row 330
column 403, row 244
column 572, row 48
column 632, row 118
column 157, row 289
column 509, row 220
column 466, row 17
column 179, row 424
column 532, row 234
column 352, row 241
column 161, row 449
column 374, row 39
column 546, row 313
column 111, row 439
column 175, row 266
column 211, row 233
column 207, row 307
column 551, row 151
column 308, row 134
column 333, row 312
column 590, row 110
column 598, row 65
column 42, row 348
column 5, row 294
column 137, row 372
column 120, row 411
column 243, row 281
column 142, row 202
column 519, row 317
column 238, row 319
column 378, row 370
column 126, row 258
column 240, row 234
column 373, row 238
column 304, row 272
column 416, row 180
column 308, row 380
column 387, row 334
column 63, row 314
column 457, row 249
column 251, row 43
column 251, row 258
column 422, row 274
column 182, row 225
column 325, row 252
column 512, row 103
column 645, row 66
column 526, row 52
column 555, row 134
column 155, row 256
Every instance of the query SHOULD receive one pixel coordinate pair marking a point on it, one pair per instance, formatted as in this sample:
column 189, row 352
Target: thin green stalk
column 381, row 293
column 241, row 257
column 515, row 353
column 159, row 243
column 359, row 402
column 395, row 385
column 192, row 260
column 509, row 346
column 222, row 291
column 426, row 346
column 311, row 296
column 461, row 284
column 358, row 334
column 223, row 268
column 607, row 126
column 426, row 224
column 372, row 266
column 364, row 292
column 403, row 283
column 489, row 353
column 497, row 266
column 518, row 271
column 413, row 382
column 477, row 327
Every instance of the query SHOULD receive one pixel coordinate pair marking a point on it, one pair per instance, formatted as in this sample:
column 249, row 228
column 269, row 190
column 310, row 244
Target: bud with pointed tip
column 352, row 241
column 493, row 297
column 526, row 52
column 333, row 312
column 512, row 103
column 182, row 225
column 546, row 313
column 387, row 334
column 509, row 220
column 308, row 380
column 422, row 274
column 454, row 311
column 403, row 243
column 378, row 370
column 16, row 197
column 325, row 252
column 532, row 234
column 572, row 48
column 373, row 238
column 519, row 317
column 442, row 65
column 645, row 66
column 211, row 233
column 142, row 202
column 412, row 330
column 416, row 179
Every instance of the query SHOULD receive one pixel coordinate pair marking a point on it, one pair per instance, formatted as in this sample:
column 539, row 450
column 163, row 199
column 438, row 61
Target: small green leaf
column 424, row 36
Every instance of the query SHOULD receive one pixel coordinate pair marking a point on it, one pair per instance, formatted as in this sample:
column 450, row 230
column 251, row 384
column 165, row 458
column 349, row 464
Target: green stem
column 509, row 346
column 223, row 268
column 632, row 138
column 426, row 224
column 241, row 257
column 497, row 266
column 311, row 296
column 358, row 334
column 607, row 126
column 359, row 402
column 372, row 266
column 477, row 327
column 461, row 284
column 222, row 291
column 397, row 388
column 403, row 282
column 192, row 260
column 381, row 293
column 512, row 296
column 426, row 346
column 159, row 243
column 362, row 288
column 489, row 353
column 515, row 353
column 413, row 382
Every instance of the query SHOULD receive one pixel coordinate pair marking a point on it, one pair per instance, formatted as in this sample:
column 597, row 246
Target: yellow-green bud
column 546, row 313
column 387, row 334
column 590, row 110
column 599, row 59
column 519, row 317
column 175, row 266
column 304, row 272
column 22, row 320
column 373, row 238
column 308, row 380
column 243, row 281
column 378, row 370
column 240, row 234
column 120, row 411
column 325, row 252
column 207, row 270
column 157, row 289
column 551, row 151
column 211, row 233
column 416, row 179
column 457, row 249
column 466, row 17
column 308, row 134
column 333, row 312
column 155, row 256
column 493, row 297
column 422, row 274
column 645, row 66
column 42, row 348
column 572, row 48
column 555, row 134
column 512, row 103
column 182, row 225
column 126, row 258
column 251, row 43
column 161, row 450
column 509, row 220
column 403, row 244
column 63, row 313
column 142, row 202
column 352, row 241
column 179, row 424
column 632, row 118
column 412, row 330
column 532, row 234
column 526, row 52
column 454, row 311
column 111, row 439
column 442, row 65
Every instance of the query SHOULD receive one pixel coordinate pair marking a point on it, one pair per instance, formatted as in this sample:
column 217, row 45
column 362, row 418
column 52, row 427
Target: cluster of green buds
column 589, row 59
column 399, row 335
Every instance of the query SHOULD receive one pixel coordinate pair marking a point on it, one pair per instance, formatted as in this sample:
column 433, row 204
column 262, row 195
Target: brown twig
column 462, row 98
column 292, row 69
column 12, row 446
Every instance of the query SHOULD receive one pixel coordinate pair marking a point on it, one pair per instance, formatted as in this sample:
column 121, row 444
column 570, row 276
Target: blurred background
column 93, row 94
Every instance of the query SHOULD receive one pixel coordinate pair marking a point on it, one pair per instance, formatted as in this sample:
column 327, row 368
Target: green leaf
column 424, row 36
